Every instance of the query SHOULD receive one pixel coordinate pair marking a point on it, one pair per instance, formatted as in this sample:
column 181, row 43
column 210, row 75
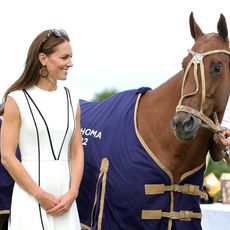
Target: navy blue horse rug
column 124, row 185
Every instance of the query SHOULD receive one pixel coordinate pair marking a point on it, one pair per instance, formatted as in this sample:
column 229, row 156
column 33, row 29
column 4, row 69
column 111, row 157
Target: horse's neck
column 157, row 107
column 155, row 111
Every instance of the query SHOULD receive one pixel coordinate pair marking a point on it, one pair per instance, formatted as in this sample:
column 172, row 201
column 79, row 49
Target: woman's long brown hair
column 45, row 43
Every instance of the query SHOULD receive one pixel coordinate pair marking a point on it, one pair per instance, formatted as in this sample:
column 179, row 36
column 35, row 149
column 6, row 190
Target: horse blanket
column 6, row 186
column 124, row 185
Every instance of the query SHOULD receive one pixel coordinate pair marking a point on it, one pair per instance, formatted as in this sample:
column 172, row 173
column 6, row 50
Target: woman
column 44, row 120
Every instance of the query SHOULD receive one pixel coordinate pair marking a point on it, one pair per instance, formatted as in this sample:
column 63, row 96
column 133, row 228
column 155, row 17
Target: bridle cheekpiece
column 197, row 59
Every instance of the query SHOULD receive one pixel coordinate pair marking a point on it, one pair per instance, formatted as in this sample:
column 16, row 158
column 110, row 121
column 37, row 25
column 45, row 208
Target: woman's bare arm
column 9, row 139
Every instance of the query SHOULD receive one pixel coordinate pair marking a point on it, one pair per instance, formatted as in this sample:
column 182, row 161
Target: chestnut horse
column 145, row 150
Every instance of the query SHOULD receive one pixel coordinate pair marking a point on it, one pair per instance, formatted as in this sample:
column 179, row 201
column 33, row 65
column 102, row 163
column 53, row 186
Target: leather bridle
column 197, row 60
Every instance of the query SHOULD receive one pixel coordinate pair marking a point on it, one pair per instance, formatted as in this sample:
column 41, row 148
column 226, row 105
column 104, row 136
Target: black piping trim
column 70, row 101
column 67, row 124
column 39, row 156
column 47, row 128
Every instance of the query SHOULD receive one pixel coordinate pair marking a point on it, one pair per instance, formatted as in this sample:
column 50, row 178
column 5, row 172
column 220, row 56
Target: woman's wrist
column 73, row 192
column 38, row 193
column 226, row 151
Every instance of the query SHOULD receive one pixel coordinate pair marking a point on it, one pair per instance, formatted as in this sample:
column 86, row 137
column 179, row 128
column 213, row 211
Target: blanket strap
column 152, row 189
column 85, row 227
column 181, row 215
column 104, row 169
column 3, row 212
column 103, row 174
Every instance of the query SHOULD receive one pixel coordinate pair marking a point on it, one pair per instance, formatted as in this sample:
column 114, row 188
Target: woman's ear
column 42, row 58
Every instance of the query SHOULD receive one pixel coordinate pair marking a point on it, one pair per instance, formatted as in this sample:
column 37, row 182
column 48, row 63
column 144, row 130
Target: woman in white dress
column 44, row 120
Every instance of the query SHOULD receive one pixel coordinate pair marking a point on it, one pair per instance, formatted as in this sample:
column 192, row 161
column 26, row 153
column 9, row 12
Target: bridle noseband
column 197, row 59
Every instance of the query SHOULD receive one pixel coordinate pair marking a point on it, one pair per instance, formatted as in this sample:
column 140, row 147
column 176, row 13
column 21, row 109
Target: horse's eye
column 217, row 68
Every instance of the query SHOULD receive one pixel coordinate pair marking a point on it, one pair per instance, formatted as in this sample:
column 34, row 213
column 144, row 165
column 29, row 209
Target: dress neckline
column 45, row 91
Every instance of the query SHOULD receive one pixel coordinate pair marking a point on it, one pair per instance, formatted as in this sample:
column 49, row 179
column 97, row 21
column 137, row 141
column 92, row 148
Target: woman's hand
column 222, row 139
column 64, row 204
column 47, row 200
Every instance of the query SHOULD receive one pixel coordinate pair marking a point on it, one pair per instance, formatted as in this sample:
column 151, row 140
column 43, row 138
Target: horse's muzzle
column 185, row 126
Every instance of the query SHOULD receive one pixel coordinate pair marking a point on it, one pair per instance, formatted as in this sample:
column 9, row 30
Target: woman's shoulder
column 16, row 93
column 73, row 94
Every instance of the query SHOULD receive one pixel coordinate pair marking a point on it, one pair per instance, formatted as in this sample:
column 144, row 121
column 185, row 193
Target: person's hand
column 222, row 139
column 47, row 200
column 63, row 205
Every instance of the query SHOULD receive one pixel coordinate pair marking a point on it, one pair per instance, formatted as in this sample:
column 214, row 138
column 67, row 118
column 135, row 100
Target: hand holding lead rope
column 222, row 138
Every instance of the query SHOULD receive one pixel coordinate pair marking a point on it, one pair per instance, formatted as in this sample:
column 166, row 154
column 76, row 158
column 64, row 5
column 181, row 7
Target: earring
column 43, row 72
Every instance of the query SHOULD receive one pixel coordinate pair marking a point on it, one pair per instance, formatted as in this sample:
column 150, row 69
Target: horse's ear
column 194, row 28
column 222, row 27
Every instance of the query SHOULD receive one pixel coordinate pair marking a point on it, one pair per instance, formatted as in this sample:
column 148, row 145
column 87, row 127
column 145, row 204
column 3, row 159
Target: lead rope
column 198, row 59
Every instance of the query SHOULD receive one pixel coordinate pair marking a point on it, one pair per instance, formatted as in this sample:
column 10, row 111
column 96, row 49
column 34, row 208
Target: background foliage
column 217, row 168
column 104, row 94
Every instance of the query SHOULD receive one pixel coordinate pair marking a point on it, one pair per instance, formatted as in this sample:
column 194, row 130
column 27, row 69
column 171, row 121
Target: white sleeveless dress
column 47, row 126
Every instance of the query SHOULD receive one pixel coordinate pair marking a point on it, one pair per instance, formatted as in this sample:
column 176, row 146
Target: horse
column 145, row 149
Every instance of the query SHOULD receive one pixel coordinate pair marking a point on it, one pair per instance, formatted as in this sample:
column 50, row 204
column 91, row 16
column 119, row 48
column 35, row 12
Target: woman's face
column 59, row 62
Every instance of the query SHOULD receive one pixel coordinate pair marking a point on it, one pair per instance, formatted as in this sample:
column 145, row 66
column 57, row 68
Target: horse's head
column 206, row 82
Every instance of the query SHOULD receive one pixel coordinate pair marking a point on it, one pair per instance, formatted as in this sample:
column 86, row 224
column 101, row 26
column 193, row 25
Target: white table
column 215, row 216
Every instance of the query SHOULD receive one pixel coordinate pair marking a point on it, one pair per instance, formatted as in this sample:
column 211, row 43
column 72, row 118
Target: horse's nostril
column 188, row 124
column 173, row 123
